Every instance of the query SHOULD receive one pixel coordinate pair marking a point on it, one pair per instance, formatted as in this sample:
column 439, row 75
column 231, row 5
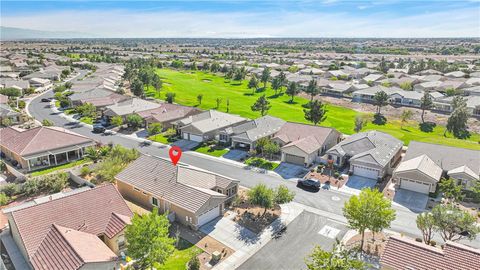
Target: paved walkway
column 253, row 243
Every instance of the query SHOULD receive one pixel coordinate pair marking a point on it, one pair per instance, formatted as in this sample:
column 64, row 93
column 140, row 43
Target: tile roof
column 168, row 112
column 423, row 164
column 65, row 248
column 306, row 137
column 211, row 120
column 447, row 157
column 88, row 212
column 364, row 146
column 181, row 185
column 256, row 129
column 133, row 105
column 40, row 139
column 403, row 253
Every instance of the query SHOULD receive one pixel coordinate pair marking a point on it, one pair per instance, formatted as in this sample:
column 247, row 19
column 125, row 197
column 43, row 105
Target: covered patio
column 54, row 158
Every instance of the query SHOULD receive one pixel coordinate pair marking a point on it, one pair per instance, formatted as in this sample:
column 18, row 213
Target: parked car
column 309, row 183
column 98, row 128
column 109, row 132
column 46, row 99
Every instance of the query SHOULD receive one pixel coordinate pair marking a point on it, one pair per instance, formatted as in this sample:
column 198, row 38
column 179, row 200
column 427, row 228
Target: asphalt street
column 330, row 201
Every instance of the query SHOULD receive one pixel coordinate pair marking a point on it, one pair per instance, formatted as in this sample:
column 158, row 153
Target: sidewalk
column 289, row 212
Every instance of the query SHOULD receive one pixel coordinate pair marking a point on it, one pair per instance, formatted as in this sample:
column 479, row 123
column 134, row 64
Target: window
column 136, row 189
column 154, row 201
column 121, row 242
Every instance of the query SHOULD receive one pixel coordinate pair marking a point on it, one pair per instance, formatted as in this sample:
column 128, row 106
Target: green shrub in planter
column 10, row 189
column 4, row 199
column 336, row 174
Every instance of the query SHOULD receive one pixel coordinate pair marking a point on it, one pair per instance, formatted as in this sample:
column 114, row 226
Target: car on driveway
column 98, row 128
column 309, row 183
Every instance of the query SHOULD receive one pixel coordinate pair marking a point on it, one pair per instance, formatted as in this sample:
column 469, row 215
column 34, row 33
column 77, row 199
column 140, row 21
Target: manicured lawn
column 161, row 138
column 188, row 84
column 212, row 151
column 182, row 254
column 261, row 163
column 60, row 167
column 87, row 120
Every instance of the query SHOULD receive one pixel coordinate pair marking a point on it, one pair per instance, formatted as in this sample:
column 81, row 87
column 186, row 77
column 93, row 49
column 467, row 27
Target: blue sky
column 323, row 18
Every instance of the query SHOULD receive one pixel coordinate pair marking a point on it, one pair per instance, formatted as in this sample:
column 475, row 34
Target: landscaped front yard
column 161, row 138
column 182, row 254
column 261, row 163
column 212, row 150
column 187, row 85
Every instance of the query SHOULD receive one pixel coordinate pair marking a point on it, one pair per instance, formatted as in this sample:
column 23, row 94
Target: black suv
column 309, row 183
column 98, row 128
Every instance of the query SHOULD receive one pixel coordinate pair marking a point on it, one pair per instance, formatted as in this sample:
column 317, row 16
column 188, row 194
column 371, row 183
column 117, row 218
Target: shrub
column 154, row 128
column 4, row 199
column 418, row 239
column 433, row 243
column 31, row 187
column 336, row 174
column 10, row 189
column 194, row 263
column 54, row 182
column 84, row 171
column 47, row 123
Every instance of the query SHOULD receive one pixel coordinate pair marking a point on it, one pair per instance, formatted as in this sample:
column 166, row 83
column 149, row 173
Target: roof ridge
column 38, row 128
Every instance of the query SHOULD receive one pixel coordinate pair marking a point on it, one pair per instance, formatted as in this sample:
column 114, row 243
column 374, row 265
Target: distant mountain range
column 12, row 33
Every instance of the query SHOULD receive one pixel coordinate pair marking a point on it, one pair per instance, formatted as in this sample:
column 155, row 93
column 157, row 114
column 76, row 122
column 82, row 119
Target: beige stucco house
column 190, row 195
column 42, row 147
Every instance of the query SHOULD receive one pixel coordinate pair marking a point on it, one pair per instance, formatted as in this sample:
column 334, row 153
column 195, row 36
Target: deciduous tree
column 148, row 239
column 340, row 258
column 426, row 224
column 368, row 210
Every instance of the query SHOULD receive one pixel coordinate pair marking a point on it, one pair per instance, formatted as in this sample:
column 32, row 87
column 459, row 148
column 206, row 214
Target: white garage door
column 416, row 186
column 365, row 172
column 208, row 216
column 294, row 159
column 192, row 137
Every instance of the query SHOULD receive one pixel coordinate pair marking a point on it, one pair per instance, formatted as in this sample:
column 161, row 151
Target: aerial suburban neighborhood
column 130, row 143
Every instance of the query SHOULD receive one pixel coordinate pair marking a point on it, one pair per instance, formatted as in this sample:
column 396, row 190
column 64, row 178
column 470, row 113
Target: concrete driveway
column 185, row 145
column 412, row 200
column 302, row 234
column 288, row 170
column 230, row 233
column 356, row 183
column 235, row 154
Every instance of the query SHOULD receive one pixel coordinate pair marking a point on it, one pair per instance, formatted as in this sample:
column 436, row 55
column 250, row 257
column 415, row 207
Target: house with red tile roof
column 42, row 147
column 405, row 253
column 83, row 230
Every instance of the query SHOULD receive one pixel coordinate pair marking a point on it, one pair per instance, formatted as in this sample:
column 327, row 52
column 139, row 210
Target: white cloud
column 124, row 23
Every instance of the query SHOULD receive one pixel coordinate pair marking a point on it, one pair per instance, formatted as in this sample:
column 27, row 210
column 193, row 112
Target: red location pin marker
column 175, row 154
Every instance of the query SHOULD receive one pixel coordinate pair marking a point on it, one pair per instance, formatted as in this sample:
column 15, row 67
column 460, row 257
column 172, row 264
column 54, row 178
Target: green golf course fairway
column 187, row 85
